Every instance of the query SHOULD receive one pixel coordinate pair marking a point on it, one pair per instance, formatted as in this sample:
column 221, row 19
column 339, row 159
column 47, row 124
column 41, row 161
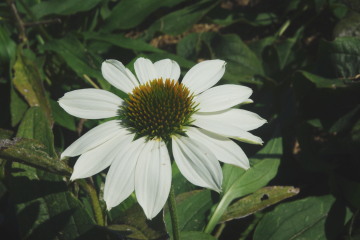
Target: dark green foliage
column 300, row 57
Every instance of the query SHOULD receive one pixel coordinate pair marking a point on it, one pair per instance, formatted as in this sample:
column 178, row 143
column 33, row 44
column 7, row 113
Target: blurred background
column 301, row 58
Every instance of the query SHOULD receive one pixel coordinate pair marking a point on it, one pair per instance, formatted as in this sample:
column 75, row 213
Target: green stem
column 89, row 188
column 173, row 215
column 219, row 211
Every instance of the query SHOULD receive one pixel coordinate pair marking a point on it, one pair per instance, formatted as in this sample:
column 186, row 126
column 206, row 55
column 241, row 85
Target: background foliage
column 301, row 58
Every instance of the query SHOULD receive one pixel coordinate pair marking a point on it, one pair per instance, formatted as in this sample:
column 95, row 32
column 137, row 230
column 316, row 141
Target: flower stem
column 99, row 217
column 173, row 214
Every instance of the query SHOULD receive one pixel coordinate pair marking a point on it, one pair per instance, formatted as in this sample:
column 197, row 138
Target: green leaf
column 346, row 121
column 257, row 201
column 61, row 117
column 77, row 58
column 348, row 26
column 321, row 82
column 122, row 41
column 18, row 107
column 339, row 58
column 192, row 211
column 62, row 7
column 238, row 182
column 307, row 218
column 181, row 20
column 130, row 13
column 133, row 224
column 7, row 45
column 196, row 235
column 36, row 126
column 27, row 81
column 242, row 63
column 32, row 153
column 44, row 207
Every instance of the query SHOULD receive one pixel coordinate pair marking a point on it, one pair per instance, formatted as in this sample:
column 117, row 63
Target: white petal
column 224, row 149
column 120, row 180
column 167, row 69
column 118, row 75
column 145, row 70
column 93, row 138
column 204, row 75
column 232, row 123
column 153, row 178
column 222, row 97
column 197, row 163
column 91, row 103
column 101, row 157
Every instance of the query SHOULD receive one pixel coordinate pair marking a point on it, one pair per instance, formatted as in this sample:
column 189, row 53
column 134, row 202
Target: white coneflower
column 194, row 118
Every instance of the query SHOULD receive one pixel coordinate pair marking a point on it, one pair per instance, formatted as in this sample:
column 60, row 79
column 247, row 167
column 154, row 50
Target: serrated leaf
column 62, row 7
column 27, row 81
column 257, row 201
column 192, row 211
column 339, row 58
column 302, row 219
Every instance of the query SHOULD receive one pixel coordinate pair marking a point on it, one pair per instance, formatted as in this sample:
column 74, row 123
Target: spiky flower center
column 158, row 109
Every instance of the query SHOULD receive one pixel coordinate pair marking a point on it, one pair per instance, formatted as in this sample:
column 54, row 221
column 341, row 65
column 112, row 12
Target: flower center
column 158, row 109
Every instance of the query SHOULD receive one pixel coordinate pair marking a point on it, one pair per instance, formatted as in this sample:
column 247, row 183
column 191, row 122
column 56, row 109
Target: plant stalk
column 173, row 214
column 99, row 217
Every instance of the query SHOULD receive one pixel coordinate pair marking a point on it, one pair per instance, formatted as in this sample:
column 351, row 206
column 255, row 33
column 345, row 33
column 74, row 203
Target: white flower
column 194, row 118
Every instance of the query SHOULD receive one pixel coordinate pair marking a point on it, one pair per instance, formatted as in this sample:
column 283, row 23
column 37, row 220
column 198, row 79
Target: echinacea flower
column 193, row 118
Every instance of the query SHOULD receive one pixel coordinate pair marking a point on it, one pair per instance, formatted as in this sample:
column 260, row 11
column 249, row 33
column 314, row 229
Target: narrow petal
column 167, row 69
column 224, row 149
column 93, row 138
column 100, row 157
column 153, row 178
column 91, row 103
column 222, row 97
column 204, row 75
column 145, row 70
column 120, row 180
column 118, row 75
column 197, row 163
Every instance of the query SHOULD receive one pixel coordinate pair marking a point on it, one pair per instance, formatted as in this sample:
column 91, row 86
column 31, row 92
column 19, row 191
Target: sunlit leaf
column 257, row 201
column 27, row 81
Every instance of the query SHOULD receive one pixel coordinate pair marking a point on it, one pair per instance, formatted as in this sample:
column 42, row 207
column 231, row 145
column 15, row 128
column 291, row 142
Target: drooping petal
column 118, row 75
column 222, row 97
column 224, row 149
column 93, row 138
column 229, row 123
column 153, row 178
column 91, row 103
column 204, row 75
column 197, row 163
column 120, row 180
column 99, row 158
column 145, row 70
column 167, row 69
